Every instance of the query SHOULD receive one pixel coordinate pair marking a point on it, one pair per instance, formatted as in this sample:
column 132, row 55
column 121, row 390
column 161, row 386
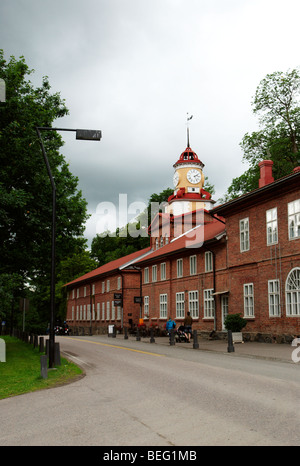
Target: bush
column 235, row 322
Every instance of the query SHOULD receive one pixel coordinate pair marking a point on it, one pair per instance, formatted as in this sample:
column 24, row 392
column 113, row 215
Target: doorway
column 224, row 307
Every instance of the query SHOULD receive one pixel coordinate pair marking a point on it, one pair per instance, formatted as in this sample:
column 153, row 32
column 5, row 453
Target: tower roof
column 189, row 157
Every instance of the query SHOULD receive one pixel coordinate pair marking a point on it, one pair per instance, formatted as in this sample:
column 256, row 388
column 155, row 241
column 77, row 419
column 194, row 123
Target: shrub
column 235, row 322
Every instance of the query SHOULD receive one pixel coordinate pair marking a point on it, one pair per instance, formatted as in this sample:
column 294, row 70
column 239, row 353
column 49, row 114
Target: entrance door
column 224, row 307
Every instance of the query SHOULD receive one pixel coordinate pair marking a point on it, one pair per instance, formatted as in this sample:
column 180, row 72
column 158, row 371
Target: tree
column 25, row 190
column 276, row 103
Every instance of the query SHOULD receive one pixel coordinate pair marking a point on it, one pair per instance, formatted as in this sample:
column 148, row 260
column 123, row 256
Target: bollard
column 35, row 341
column 56, row 354
column 42, row 349
column 172, row 337
column 195, row 340
column 152, row 339
column 138, row 338
column 114, row 332
column 230, row 348
column 47, row 347
column 44, row 372
column 31, row 339
column 125, row 333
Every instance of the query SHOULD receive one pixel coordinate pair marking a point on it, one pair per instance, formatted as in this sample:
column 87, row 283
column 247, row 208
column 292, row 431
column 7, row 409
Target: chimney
column 266, row 176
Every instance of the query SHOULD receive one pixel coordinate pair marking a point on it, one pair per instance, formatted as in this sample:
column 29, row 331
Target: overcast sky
column 135, row 68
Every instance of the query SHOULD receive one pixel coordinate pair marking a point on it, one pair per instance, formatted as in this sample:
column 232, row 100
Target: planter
column 237, row 337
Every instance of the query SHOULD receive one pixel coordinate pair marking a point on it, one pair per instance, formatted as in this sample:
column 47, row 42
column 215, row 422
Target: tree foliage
column 25, row 189
column 276, row 103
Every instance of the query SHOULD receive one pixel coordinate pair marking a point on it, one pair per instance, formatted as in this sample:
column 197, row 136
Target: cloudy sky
column 135, row 68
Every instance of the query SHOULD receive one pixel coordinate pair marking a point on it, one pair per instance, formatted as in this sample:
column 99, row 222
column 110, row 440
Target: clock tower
column 188, row 180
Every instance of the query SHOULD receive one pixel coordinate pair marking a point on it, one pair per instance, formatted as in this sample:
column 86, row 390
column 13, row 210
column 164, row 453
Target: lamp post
column 82, row 134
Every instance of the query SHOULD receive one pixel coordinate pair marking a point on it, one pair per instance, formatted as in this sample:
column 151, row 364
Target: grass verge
column 21, row 373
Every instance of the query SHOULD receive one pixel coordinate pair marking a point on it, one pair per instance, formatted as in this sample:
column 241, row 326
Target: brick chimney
column 266, row 176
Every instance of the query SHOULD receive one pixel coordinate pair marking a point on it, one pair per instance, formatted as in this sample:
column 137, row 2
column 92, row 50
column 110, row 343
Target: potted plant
column 235, row 323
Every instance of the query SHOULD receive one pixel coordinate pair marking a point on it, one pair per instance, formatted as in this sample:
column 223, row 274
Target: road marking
column 116, row 346
column 80, row 361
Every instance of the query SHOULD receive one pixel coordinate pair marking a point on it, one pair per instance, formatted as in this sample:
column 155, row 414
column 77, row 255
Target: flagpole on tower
column 188, row 129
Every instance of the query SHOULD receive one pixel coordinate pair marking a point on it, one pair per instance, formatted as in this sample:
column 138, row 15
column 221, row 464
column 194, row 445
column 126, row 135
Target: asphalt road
column 139, row 394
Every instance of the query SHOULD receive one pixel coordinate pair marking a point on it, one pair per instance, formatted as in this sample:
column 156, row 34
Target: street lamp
column 82, row 134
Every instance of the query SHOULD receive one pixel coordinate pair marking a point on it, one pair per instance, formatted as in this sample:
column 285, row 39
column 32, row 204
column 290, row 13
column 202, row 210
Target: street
column 141, row 394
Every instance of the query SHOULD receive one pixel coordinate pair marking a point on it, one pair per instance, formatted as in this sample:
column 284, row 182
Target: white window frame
column 103, row 310
column 292, row 293
column 272, row 226
column 119, row 283
column 163, row 306
column 163, row 268
column 194, row 304
column 72, row 312
column 294, row 219
column 107, row 285
column 209, row 303
column 180, row 305
column 274, row 298
column 146, row 306
column 107, row 310
column 103, row 287
column 113, row 311
column 146, row 275
column 154, row 273
column 98, row 311
column 208, row 259
column 244, row 235
column 249, row 300
column 193, row 265
column 179, row 267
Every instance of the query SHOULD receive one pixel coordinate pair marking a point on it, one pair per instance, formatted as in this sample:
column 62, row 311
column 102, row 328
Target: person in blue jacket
column 170, row 324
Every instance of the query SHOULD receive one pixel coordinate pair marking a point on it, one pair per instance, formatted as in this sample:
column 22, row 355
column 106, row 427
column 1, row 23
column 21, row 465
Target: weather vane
column 188, row 129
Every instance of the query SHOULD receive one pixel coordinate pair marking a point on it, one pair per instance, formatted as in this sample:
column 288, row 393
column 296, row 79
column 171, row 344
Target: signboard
column 118, row 296
column 138, row 299
column 118, row 302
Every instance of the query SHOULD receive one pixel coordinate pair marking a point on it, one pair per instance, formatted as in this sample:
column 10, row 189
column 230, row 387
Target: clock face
column 175, row 179
column 194, row 176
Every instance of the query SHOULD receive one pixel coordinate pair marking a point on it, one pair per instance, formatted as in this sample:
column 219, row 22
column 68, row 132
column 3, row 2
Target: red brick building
column 239, row 257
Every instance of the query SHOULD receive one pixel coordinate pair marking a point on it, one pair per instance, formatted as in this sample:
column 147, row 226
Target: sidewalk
column 271, row 351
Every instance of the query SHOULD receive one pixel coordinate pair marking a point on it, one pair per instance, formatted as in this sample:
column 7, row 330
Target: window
column 180, row 305
column 194, row 304
column 84, row 312
column 103, row 311
column 84, row 291
column 292, row 290
column 209, row 304
column 294, row 219
column 93, row 289
column 77, row 312
column 272, row 230
column 161, row 241
column 119, row 283
column 146, row 275
column 248, row 300
column 98, row 311
column 103, row 287
column 163, row 306
column 81, row 312
column 179, row 268
column 163, row 271
column 73, row 293
column 154, row 273
column 146, row 306
column 107, row 285
column 72, row 312
column 119, row 312
column 208, row 261
column 107, row 311
column 193, row 265
column 274, row 300
column 77, row 292
column 244, row 235
column 113, row 311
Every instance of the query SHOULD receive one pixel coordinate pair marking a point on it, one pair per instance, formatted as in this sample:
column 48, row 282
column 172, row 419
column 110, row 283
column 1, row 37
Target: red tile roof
column 110, row 266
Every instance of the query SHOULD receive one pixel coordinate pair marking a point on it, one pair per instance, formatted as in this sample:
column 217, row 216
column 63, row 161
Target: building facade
column 239, row 257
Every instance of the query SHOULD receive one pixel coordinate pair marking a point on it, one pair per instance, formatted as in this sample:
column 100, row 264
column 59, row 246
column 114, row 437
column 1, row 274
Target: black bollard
column 138, row 338
column 230, row 348
column 35, row 341
column 172, row 337
column 195, row 340
column 125, row 333
column 47, row 347
column 44, row 372
column 152, row 339
column 42, row 345
column 56, row 354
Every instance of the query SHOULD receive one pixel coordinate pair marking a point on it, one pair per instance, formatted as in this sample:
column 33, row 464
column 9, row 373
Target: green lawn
column 21, row 373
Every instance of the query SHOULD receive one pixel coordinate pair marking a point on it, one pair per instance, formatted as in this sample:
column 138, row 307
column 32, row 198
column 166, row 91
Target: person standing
column 188, row 321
